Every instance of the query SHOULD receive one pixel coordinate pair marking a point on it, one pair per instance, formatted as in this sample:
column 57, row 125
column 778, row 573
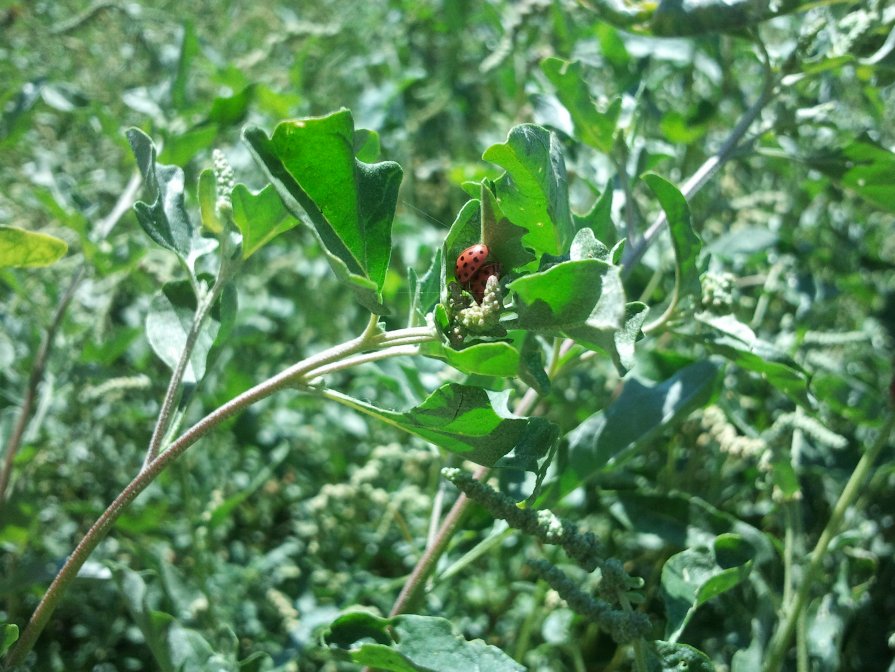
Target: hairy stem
column 780, row 642
column 203, row 309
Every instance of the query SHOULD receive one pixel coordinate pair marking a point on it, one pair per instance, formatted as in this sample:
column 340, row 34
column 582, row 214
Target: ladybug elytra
column 470, row 261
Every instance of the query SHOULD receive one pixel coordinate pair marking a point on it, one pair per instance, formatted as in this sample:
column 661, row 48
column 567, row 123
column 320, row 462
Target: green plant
column 698, row 476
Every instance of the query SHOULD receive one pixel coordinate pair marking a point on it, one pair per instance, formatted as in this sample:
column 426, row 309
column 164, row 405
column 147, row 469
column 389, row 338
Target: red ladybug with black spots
column 473, row 270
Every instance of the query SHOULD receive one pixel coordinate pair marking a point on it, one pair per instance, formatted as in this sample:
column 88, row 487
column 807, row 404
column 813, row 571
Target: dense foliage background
column 257, row 538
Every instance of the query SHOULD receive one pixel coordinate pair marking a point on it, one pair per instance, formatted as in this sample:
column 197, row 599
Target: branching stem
column 298, row 374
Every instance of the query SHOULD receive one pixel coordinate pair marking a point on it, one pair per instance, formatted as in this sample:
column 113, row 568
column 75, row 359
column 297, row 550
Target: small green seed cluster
column 225, row 178
column 718, row 292
column 469, row 318
column 583, row 547
column 624, row 625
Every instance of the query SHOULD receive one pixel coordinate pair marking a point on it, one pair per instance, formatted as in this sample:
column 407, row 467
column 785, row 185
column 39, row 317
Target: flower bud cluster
column 583, row 547
column 717, row 429
column 225, row 179
column 624, row 625
column 469, row 318
column 718, row 292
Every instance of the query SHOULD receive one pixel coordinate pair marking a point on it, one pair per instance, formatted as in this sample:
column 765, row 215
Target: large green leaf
column 611, row 435
column 533, row 192
column 696, row 575
column 582, row 299
column 736, row 341
column 565, row 296
column 351, row 204
column 22, row 248
column 165, row 220
column 470, row 421
column 486, row 359
column 592, row 127
column 411, row 643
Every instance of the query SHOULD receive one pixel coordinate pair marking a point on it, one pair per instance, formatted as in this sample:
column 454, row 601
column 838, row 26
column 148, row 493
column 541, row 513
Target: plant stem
column 203, row 308
column 34, row 380
column 299, row 373
column 426, row 564
column 791, row 613
column 706, row 171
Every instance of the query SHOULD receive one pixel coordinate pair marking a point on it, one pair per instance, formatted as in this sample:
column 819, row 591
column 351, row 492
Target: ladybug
column 470, row 261
column 480, row 280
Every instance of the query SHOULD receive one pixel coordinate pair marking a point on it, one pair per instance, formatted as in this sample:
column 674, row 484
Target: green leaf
column 153, row 624
column 563, row 297
column 425, row 292
column 695, row 576
column 599, row 219
column 366, row 145
column 729, row 337
column 686, row 243
column 9, row 636
column 465, row 230
column 181, row 148
column 486, row 359
column 611, row 435
column 592, row 127
column 533, row 192
column 165, row 220
column 675, row 657
column 583, row 299
column 351, row 204
column 259, row 216
column 503, row 238
column 585, row 245
column 21, row 248
column 470, row 421
column 171, row 317
column 411, row 643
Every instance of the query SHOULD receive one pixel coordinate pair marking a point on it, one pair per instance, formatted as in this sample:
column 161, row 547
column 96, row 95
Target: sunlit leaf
column 470, row 421
column 351, row 204
column 260, row 217
column 22, row 248
column 687, row 244
column 533, row 193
